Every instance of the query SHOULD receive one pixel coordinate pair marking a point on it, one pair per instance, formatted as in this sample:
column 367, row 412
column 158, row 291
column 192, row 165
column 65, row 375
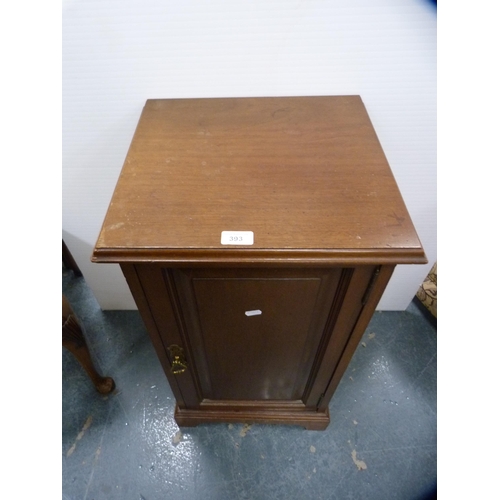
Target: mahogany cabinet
column 257, row 236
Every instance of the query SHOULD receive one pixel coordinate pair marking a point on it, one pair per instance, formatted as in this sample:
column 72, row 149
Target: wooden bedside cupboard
column 257, row 236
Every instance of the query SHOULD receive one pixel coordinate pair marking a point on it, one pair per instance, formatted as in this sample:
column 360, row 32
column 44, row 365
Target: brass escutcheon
column 179, row 364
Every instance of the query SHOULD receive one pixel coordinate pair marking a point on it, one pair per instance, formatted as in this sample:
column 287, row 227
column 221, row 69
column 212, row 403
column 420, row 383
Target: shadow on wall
column 106, row 281
column 79, row 250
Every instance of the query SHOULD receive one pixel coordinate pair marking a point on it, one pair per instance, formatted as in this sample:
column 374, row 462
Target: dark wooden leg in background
column 74, row 341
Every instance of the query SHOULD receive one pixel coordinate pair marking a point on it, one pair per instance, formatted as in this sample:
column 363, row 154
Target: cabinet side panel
column 168, row 333
column 372, row 297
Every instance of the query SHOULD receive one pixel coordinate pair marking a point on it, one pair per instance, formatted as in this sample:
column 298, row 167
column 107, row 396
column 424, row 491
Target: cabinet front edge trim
column 247, row 256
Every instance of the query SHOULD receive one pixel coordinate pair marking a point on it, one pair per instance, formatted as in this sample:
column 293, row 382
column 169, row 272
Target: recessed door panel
column 255, row 334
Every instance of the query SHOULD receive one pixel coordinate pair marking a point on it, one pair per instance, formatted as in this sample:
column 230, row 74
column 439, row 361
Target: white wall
column 117, row 54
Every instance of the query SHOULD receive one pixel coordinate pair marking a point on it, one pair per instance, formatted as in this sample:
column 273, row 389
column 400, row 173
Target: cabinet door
column 253, row 336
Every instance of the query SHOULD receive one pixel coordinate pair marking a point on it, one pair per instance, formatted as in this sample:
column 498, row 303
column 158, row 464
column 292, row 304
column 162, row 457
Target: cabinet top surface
column 305, row 174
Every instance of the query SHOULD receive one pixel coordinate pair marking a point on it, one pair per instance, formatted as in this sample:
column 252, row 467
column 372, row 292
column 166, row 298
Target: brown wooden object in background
column 74, row 341
column 262, row 330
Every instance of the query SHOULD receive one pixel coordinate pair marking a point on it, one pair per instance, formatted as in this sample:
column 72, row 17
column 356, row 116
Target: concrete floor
column 381, row 443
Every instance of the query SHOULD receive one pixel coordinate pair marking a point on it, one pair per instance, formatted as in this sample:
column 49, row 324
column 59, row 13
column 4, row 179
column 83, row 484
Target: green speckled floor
column 381, row 443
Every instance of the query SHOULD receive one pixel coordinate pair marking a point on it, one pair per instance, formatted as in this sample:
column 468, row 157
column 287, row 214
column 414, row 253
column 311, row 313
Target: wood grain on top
column 306, row 174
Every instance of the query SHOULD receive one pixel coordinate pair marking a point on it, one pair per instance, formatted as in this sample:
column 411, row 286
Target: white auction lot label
column 236, row 238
